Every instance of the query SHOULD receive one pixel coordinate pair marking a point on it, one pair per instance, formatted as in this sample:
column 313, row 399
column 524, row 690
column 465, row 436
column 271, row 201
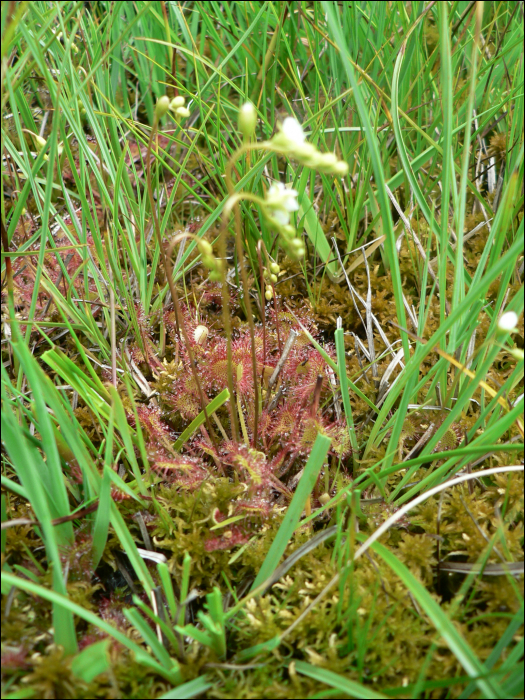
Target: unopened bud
column 296, row 243
column 40, row 143
column 204, row 247
column 517, row 353
column 247, row 119
column 296, row 252
column 200, row 335
column 324, row 498
column 183, row 112
column 209, row 262
column 162, row 106
column 274, row 267
column 268, row 293
column 176, row 102
column 273, row 278
column 329, row 160
column 340, row 168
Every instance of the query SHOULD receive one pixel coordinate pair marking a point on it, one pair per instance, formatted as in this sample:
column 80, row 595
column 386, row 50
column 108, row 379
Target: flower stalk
column 161, row 109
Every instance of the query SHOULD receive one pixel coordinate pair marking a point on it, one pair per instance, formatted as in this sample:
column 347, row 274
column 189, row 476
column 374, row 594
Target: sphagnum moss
column 222, row 496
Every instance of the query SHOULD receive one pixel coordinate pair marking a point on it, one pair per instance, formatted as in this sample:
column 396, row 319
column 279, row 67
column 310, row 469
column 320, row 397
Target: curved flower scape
column 280, row 200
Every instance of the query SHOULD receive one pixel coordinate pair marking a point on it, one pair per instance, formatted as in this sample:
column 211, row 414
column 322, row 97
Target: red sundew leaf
column 231, row 538
column 15, row 660
column 24, row 273
column 152, row 423
column 181, row 470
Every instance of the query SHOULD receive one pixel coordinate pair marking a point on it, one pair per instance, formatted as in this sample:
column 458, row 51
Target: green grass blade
column 65, row 604
column 455, row 641
column 340, row 350
column 340, row 683
column 198, row 686
column 296, row 507
column 214, row 404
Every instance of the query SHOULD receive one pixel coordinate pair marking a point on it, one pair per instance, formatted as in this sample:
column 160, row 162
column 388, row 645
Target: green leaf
column 92, row 661
column 345, row 685
column 296, row 507
column 198, row 686
column 308, row 216
column 101, row 527
column 141, row 655
column 452, row 636
column 214, row 404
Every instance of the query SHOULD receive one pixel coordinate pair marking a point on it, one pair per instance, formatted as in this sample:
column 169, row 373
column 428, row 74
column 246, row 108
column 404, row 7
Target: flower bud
column 329, row 160
column 183, row 112
column 340, row 168
column 247, row 119
column 40, row 143
column 162, row 106
column 176, row 102
column 274, row 268
column 288, row 231
column 215, row 276
column 268, row 294
column 273, row 278
column 209, row 262
column 204, row 247
column 508, row 322
column 296, row 253
column 200, row 335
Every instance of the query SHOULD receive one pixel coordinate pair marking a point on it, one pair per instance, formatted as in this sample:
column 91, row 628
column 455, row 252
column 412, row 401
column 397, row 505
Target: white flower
column 290, row 138
column 508, row 322
column 282, row 197
column 281, row 201
column 293, row 131
column 281, row 216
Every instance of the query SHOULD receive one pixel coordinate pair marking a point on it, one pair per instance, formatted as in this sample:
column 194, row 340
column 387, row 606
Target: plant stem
column 234, row 203
column 228, row 330
column 169, row 274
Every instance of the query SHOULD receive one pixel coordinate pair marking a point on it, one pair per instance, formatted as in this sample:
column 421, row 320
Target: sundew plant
column 262, row 349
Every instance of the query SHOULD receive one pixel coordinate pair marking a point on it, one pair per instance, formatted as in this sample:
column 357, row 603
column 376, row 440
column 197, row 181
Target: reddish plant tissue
column 24, row 274
column 231, row 538
column 300, row 406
